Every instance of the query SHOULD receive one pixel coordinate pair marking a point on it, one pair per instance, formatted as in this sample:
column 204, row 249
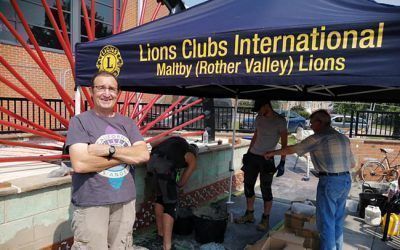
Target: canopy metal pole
column 307, row 178
column 78, row 100
column 231, row 169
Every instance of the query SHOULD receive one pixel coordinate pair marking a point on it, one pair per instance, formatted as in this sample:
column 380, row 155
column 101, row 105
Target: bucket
column 352, row 206
column 374, row 187
column 372, row 215
column 371, row 199
column 210, row 224
column 303, row 209
column 183, row 224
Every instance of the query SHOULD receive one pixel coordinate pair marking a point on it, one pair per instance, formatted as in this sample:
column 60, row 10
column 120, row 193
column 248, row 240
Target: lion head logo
column 110, row 60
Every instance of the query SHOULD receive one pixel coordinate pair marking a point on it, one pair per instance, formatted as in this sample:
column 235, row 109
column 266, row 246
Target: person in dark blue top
column 169, row 157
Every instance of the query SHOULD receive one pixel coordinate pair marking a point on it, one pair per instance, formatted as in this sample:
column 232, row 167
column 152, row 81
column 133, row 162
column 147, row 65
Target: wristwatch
column 111, row 152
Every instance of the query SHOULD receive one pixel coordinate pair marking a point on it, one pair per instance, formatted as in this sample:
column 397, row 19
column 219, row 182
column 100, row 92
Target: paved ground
column 289, row 187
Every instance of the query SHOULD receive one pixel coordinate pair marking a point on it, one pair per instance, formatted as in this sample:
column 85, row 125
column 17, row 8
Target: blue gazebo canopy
column 280, row 49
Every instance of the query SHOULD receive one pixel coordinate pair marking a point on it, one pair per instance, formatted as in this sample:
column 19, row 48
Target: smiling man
column 104, row 147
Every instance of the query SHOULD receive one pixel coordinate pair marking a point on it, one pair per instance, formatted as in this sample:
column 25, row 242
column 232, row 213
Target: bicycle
column 375, row 170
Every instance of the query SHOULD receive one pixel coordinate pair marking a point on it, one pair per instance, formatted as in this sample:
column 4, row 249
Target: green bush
column 301, row 111
column 304, row 114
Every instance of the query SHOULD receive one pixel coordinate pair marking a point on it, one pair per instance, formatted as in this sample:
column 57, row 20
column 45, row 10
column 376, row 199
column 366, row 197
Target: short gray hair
column 321, row 115
column 103, row 73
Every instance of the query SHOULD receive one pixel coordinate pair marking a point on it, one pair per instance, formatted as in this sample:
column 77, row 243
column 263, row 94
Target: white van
column 343, row 122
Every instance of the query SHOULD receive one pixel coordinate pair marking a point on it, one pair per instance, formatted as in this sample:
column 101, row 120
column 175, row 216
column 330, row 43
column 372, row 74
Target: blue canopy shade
column 280, row 49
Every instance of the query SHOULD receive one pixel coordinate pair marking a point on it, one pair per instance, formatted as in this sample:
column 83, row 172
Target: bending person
column 172, row 161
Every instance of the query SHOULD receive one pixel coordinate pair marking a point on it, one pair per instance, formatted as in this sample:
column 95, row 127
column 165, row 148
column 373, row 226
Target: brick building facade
column 20, row 60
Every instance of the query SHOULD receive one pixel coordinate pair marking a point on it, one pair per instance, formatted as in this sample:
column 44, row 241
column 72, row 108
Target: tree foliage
column 394, row 119
column 301, row 111
column 346, row 108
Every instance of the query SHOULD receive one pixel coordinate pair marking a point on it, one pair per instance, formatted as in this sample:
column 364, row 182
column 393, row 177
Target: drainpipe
column 64, row 77
column 139, row 11
column 78, row 100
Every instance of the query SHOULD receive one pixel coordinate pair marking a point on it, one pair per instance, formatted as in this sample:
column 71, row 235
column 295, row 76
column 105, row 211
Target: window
column 38, row 21
column 40, row 24
column 293, row 115
column 7, row 10
column 103, row 19
column 338, row 119
column 348, row 119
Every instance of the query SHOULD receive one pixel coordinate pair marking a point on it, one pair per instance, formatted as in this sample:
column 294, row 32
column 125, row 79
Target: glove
column 280, row 168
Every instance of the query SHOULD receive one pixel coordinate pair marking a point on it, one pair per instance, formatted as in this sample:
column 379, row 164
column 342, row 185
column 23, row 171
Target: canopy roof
column 278, row 49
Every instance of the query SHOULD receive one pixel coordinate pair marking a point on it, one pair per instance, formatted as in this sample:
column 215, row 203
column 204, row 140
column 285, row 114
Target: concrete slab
column 358, row 235
column 14, row 170
column 238, row 236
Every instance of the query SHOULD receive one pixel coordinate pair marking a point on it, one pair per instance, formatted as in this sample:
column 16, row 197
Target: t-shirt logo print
column 115, row 175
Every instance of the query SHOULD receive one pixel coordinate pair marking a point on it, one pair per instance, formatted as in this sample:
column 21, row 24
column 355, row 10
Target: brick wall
column 20, row 60
column 131, row 16
column 131, row 20
column 17, row 57
column 364, row 149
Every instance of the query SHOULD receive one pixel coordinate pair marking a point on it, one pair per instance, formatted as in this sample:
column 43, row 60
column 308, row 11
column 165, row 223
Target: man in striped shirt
column 332, row 157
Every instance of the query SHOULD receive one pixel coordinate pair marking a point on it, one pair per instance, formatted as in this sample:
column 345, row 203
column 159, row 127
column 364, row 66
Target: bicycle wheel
column 393, row 174
column 373, row 171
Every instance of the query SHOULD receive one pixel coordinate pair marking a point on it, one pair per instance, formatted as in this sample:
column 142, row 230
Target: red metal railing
column 56, row 17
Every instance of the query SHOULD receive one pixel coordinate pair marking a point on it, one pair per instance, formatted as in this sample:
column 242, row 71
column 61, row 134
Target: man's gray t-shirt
column 113, row 185
column 269, row 129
